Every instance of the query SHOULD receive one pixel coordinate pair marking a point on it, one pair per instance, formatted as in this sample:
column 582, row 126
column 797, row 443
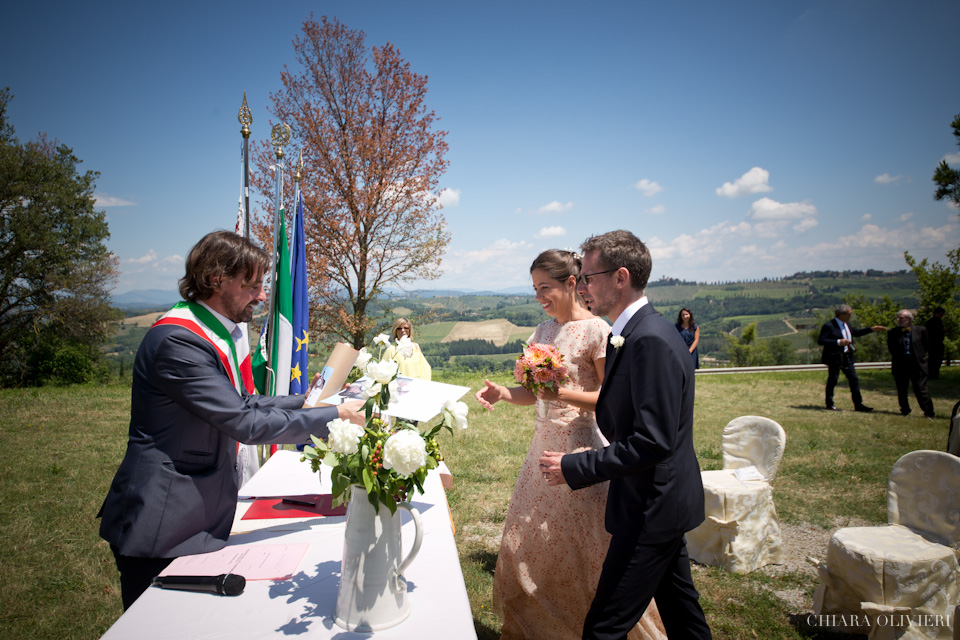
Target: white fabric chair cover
column 900, row 580
column 741, row 532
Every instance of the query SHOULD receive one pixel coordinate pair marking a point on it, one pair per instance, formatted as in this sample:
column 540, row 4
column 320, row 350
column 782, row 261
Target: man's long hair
column 223, row 254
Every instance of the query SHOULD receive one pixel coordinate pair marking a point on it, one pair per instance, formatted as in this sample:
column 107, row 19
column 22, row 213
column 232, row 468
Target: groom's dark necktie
column 611, row 352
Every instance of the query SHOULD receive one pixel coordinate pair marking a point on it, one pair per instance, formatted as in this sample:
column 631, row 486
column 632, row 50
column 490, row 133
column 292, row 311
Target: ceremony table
column 303, row 606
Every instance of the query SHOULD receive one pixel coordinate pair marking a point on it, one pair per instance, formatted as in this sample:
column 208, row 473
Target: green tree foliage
column 740, row 348
column 946, row 177
column 938, row 288
column 55, row 269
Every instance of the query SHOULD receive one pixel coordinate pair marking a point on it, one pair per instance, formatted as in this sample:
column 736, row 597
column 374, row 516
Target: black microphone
column 226, row 584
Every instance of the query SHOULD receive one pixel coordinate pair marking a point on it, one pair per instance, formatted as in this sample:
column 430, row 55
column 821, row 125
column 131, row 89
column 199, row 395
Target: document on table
column 252, row 561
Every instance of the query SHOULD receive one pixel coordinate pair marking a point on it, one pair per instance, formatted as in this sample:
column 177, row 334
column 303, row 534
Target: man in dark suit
column 645, row 409
column 908, row 349
column 175, row 492
column 836, row 337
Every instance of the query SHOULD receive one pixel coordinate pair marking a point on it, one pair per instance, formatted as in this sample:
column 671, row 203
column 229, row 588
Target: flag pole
column 298, row 172
column 246, row 119
column 279, row 137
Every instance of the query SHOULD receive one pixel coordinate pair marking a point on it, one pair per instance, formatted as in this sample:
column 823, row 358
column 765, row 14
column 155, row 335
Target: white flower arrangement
column 389, row 458
column 616, row 341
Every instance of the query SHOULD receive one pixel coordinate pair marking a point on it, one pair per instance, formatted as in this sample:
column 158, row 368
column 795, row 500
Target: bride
column 554, row 541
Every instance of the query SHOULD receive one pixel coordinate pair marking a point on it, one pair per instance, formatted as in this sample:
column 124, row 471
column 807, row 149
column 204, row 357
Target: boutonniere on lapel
column 616, row 341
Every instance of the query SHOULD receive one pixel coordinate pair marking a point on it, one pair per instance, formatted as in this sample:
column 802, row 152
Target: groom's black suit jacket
column 645, row 410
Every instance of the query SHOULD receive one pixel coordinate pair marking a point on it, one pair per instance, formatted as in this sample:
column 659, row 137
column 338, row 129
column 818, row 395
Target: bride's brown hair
column 558, row 264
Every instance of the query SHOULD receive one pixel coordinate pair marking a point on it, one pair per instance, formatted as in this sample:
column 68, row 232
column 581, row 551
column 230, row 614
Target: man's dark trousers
column 846, row 365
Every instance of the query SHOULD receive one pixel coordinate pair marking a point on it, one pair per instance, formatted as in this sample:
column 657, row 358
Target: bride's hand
column 489, row 395
column 549, row 395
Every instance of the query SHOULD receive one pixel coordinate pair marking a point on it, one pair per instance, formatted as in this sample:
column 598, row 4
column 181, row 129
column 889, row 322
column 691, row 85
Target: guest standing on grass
column 553, row 541
column 836, row 338
column 690, row 332
column 907, row 343
column 175, row 492
column 645, row 410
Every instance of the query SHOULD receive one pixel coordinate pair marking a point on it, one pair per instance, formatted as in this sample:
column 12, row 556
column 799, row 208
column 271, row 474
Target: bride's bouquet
column 540, row 366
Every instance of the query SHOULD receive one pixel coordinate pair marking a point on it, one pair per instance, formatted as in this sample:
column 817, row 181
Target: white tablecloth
column 303, row 606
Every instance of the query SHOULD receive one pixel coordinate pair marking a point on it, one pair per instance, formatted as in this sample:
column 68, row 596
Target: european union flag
column 300, row 322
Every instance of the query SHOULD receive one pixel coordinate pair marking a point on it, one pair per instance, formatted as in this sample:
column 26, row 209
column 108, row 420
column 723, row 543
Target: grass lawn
column 62, row 446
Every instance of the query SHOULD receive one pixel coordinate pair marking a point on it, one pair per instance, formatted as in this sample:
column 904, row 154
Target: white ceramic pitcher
column 373, row 592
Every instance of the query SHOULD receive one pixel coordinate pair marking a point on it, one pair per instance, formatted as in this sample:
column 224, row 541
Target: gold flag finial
column 245, row 117
column 279, row 137
column 299, row 172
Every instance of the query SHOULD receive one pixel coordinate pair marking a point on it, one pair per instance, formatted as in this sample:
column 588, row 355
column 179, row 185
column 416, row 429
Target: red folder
column 264, row 508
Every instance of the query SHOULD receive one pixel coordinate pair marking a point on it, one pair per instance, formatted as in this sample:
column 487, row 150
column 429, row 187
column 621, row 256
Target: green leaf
column 368, row 479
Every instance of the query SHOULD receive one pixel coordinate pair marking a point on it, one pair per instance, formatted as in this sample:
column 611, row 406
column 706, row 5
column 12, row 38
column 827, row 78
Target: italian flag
column 271, row 371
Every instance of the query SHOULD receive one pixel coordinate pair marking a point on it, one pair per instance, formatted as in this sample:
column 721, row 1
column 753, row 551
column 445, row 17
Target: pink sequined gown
column 554, row 541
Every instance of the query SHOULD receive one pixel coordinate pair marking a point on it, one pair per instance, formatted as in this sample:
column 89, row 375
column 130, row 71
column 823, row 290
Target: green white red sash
column 199, row 320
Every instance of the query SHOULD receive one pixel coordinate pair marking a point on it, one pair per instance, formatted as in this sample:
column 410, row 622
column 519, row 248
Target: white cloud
column 150, row 271
column 151, row 260
column 768, row 209
column 754, row 181
column 771, row 218
column 952, row 158
column 555, row 207
column 498, row 262
column 552, row 232
column 449, row 197
column 103, row 200
column 886, row 178
column 731, row 251
column 867, row 217
column 648, row 187
column 656, row 209
column 905, row 216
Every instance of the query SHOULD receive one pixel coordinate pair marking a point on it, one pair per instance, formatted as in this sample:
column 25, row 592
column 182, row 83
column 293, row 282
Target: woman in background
column 690, row 332
column 413, row 365
column 554, row 541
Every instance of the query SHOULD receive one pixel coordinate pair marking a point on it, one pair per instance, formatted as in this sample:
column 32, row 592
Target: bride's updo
column 559, row 264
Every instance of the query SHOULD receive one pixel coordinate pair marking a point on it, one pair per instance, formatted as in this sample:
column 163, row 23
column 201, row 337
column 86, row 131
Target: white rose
column 383, row 340
column 344, row 436
column 616, row 341
column 404, row 452
column 363, row 358
column 455, row 414
column 383, row 371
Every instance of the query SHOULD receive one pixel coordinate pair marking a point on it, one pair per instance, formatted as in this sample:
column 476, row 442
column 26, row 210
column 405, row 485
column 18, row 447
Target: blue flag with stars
column 299, row 378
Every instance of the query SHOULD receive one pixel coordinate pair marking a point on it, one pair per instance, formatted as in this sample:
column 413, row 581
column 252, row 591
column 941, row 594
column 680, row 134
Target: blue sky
column 739, row 140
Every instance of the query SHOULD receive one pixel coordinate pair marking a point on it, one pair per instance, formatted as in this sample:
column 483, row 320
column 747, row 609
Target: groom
column 645, row 410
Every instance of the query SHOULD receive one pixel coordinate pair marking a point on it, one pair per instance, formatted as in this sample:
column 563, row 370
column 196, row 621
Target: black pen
column 302, row 503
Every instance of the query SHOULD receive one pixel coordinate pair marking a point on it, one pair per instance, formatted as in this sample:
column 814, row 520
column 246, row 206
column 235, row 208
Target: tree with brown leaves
column 372, row 165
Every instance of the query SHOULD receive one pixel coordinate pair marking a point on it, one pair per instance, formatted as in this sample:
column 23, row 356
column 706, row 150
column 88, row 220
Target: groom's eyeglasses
column 585, row 277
